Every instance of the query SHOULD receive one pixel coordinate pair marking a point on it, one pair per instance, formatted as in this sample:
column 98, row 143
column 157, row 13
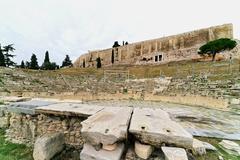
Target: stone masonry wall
column 22, row 128
column 173, row 48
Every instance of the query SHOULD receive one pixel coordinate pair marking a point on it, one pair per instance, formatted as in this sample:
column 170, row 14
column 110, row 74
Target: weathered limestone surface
column 198, row 147
column 173, row 48
column 47, row 146
column 13, row 99
column 28, row 107
column 142, row 150
column 209, row 146
column 69, row 109
column 110, row 147
column 107, row 126
column 213, row 133
column 89, row 153
column 230, row 147
column 4, row 117
column 2, row 110
column 173, row 153
column 153, row 126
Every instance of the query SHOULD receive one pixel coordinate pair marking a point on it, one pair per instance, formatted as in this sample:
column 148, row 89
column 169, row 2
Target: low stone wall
column 24, row 128
column 4, row 118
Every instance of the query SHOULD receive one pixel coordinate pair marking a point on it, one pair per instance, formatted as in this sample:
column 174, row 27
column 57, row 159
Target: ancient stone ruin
column 117, row 115
column 99, row 132
column 157, row 51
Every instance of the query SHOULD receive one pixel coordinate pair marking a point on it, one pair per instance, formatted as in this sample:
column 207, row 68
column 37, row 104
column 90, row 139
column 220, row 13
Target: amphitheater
column 131, row 108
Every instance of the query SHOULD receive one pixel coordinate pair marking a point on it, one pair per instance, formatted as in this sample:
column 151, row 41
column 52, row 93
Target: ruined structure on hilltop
column 162, row 50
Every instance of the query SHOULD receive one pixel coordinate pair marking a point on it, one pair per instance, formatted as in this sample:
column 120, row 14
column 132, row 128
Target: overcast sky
column 75, row 26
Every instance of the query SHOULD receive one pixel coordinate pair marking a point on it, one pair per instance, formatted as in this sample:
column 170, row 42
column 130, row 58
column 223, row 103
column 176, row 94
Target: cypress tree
column 22, row 64
column 112, row 58
column 46, row 59
column 84, row 64
column 99, row 64
column 34, row 63
column 46, row 63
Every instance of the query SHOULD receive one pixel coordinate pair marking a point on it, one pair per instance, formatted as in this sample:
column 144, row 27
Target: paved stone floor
column 199, row 121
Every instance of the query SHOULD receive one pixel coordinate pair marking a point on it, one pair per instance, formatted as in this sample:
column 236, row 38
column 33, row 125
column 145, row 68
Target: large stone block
column 89, row 153
column 47, row 146
column 173, row 153
column 153, row 126
column 28, row 107
column 198, row 147
column 110, row 147
column 108, row 126
column 13, row 99
column 142, row 150
column 4, row 122
column 230, row 147
column 83, row 110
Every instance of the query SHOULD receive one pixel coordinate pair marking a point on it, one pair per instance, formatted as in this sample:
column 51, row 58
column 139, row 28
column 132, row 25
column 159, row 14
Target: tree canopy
column 216, row 46
column 112, row 57
column 5, row 56
column 66, row 62
column 46, row 59
column 2, row 59
column 8, row 56
column 116, row 44
column 99, row 64
column 47, row 64
column 34, row 62
column 22, row 65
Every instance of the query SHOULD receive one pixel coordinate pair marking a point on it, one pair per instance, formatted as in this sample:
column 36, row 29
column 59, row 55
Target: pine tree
column 2, row 59
column 34, row 63
column 217, row 46
column 66, row 61
column 22, row 64
column 99, row 64
column 7, row 49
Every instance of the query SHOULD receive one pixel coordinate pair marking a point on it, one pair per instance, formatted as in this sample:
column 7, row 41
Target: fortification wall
column 173, row 48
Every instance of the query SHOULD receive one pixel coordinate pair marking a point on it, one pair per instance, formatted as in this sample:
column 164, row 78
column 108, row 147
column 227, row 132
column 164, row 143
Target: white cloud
column 75, row 26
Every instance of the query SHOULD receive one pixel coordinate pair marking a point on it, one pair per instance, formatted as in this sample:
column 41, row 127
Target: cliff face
column 173, row 48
